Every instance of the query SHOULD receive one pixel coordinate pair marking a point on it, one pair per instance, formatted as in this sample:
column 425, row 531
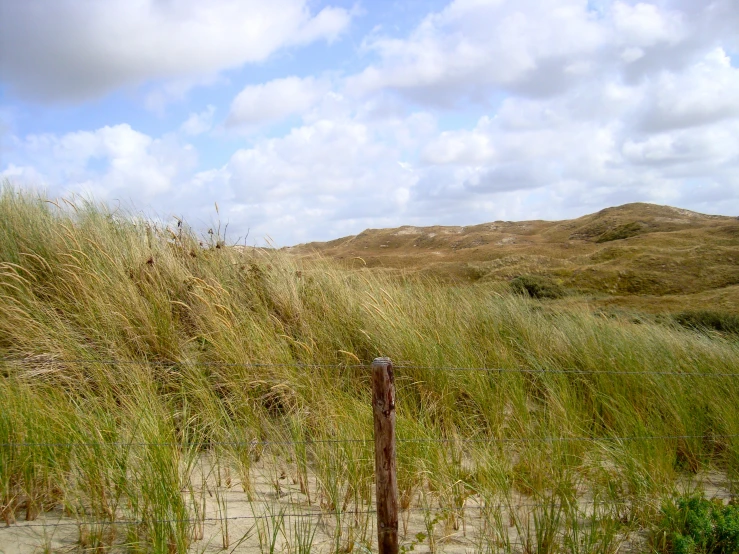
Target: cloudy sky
column 310, row 119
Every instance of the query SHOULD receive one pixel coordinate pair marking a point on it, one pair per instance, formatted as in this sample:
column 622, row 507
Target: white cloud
column 328, row 24
column 326, row 158
column 693, row 149
column 705, row 92
column 259, row 104
column 74, row 50
column 199, row 123
column 631, row 54
column 460, row 147
column 592, row 148
column 643, row 25
column 473, row 46
column 325, row 178
column 475, row 49
column 111, row 162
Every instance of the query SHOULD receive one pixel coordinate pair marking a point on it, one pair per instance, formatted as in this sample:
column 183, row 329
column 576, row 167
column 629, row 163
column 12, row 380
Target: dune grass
column 132, row 350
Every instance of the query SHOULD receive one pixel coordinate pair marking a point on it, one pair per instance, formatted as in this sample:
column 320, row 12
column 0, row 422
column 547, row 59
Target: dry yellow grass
column 643, row 256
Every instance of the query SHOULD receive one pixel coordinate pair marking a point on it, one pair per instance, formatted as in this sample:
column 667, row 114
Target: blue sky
column 310, row 120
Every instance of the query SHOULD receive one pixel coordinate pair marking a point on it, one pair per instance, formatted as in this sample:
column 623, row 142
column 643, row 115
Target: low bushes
column 620, row 232
column 695, row 525
column 723, row 322
column 537, row 286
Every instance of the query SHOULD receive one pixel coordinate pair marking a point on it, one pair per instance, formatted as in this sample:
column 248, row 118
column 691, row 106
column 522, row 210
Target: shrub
column 709, row 320
column 537, row 286
column 620, row 232
column 695, row 525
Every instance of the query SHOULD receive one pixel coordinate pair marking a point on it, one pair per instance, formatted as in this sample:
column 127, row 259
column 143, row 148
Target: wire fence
column 452, row 441
column 403, row 366
column 455, row 442
column 281, row 514
column 322, row 513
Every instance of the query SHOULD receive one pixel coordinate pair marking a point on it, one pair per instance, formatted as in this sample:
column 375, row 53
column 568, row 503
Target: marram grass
column 133, row 351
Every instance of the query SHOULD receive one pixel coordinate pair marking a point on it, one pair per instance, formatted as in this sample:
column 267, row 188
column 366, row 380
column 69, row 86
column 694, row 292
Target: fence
column 387, row 498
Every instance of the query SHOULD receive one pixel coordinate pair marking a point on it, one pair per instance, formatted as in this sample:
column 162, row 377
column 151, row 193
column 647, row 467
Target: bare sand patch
column 274, row 513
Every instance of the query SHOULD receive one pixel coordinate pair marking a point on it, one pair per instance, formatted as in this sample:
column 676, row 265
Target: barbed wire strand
column 571, row 371
column 187, row 363
column 191, row 444
column 20, row 525
column 190, row 520
column 369, row 440
column 525, row 370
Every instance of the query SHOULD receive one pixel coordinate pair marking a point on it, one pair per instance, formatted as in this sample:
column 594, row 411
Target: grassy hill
column 651, row 257
column 153, row 385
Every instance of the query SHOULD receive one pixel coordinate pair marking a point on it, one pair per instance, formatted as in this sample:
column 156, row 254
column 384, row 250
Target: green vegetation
column 143, row 367
column 694, row 525
column 707, row 320
column 620, row 232
column 536, row 286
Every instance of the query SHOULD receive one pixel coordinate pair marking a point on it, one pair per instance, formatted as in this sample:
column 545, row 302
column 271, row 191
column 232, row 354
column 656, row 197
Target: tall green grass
column 133, row 349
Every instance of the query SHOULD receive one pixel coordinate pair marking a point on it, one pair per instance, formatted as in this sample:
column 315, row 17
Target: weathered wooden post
column 383, row 406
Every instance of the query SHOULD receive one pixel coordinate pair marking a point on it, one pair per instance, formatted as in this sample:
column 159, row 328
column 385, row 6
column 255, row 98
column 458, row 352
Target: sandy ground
column 251, row 523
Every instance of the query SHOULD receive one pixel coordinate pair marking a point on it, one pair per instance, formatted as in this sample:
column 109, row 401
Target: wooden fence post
column 383, row 407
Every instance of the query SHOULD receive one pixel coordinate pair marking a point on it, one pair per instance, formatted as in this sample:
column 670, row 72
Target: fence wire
column 195, row 520
column 401, row 366
column 420, row 440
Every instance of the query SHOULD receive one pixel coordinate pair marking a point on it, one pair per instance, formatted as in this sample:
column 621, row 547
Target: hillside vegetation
column 133, row 353
column 655, row 258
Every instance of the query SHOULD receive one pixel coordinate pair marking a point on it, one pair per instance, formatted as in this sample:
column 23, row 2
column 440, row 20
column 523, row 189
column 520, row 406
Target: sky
column 307, row 120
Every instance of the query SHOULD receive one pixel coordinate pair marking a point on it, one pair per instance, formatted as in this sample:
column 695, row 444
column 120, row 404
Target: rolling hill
column 653, row 257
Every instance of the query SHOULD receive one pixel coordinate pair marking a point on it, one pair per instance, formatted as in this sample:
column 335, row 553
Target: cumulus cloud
column 324, row 178
column 707, row 91
column 318, row 179
column 110, row 162
column 474, row 45
column 696, row 150
column 328, row 24
column 460, row 147
column 73, row 50
column 671, row 138
column 474, row 49
column 199, row 123
column 643, row 25
column 259, row 104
